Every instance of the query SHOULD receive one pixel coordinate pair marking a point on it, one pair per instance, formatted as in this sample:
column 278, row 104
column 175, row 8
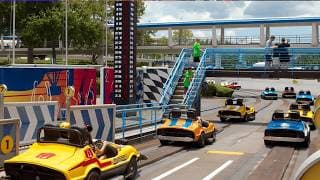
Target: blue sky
column 173, row 11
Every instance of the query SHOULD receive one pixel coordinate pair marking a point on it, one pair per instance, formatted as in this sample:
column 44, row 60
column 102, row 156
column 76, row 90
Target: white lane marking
column 175, row 169
column 217, row 171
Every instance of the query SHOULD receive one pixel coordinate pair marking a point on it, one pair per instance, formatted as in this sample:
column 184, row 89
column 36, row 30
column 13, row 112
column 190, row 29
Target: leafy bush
column 208, row 90
column 223, row 91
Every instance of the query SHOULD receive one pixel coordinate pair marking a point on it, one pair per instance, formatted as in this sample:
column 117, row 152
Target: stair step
column 179, row 92
column 179, row 88
column 177, row 96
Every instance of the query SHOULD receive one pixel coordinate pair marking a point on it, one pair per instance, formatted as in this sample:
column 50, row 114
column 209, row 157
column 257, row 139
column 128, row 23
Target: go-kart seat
column 191, row 114
column 239, row 102
column 50, row 135
column 85, row 134
column 294, row 115
column 305, row 107
column 294, row 107
column 204, row 123
column 272, row 89
column 266, row 89
column 308, row 92
column 286, row 88
column 176, row 113
column 291, row 89
column 229, row 101
column 74, row 138
column 278, row 115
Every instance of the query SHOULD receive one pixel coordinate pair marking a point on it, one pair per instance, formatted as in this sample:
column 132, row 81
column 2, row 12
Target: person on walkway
column 196, row 51
column 284, row 57
column 268, row 56
column 187, row 79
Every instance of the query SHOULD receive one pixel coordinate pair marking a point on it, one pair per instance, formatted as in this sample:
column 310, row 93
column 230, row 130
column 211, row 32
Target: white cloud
column 173, row 11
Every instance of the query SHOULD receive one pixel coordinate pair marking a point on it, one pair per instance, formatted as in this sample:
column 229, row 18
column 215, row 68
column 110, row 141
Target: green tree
column 163, row 41
column 24, row 11
column 182, row 36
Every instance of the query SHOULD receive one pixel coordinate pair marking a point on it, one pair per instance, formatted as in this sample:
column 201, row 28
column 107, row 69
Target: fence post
column 140, row 123
column 155, row 119
column 124, row 115
column 3, row 89
column 68, row 92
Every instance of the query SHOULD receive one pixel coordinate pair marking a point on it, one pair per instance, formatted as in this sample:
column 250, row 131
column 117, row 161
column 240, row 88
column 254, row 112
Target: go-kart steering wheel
column 98, row 144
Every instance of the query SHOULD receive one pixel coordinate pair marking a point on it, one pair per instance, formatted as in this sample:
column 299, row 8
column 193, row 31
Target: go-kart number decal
column 45, row 155
column 3, row 88
column 88, row 153
column 116, row 160
column 6, row 144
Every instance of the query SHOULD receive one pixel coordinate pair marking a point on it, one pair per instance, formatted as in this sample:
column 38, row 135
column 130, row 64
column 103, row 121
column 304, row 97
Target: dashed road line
column 217, row 171
column 175, row 169
column 226, row 152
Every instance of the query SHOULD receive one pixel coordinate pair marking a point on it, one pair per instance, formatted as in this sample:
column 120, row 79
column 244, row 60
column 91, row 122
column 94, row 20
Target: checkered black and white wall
column 153, row 79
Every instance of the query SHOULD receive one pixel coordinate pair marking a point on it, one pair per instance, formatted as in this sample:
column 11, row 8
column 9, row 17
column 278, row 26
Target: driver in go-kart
column 106, row 149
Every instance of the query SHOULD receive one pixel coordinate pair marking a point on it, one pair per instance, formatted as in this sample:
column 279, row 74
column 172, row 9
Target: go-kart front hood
column 286, row 124
column 55, row 156
column 179, row 123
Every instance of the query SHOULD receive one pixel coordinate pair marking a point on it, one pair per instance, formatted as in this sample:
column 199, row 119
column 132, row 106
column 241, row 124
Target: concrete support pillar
column 262, row 36
column 2, row 42
column 222, row 35
column 214, row 37
column 170, row 37
column 315, row 34
column 267, row 31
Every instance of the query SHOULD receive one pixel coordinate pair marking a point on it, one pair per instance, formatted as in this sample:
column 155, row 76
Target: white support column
column 267, row 31
column 169, row 37
column 214, row 36
column 315, row 34
column 262, row 36
column 2, row 42
column 222, row 35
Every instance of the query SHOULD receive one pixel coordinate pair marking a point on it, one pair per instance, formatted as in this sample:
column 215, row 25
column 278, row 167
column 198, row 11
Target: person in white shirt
column 268, row 56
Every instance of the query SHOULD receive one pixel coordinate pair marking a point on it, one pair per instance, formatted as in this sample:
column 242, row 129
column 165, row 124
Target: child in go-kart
column 105, row 151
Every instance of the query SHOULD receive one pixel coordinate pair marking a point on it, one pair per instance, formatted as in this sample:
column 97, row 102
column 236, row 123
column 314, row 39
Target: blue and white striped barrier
column 100, row 117
column 32, row 115
column 9, row 141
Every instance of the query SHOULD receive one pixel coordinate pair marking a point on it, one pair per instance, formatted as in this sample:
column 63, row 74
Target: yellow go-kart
column 186, row 129
column 67, row 153
column 235, row 109
column 306, row 114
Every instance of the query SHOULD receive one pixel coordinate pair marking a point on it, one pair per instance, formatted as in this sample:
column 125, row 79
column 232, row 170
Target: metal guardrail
column 174, row 76
column 196, row 82
column 247, row 58
column 227, row 40
column 137, row 118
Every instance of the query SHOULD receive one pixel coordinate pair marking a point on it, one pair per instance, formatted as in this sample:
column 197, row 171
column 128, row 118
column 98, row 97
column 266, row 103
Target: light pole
column 14, row 33
column 106, row 33
column 66, row 32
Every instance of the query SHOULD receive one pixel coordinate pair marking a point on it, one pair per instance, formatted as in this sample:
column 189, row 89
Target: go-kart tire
column 312, row 127
column 245, row 118
column 164, row 142
column 268, row 143
column 211, row 139
column 202, row 140
column 222, row 119
column 93, row 175
column 253, row 117
column 306, row 142
column 131, row 170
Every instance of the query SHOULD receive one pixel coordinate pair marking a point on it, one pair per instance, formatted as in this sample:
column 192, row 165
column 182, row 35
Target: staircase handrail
column 196, row 82
column 174, row 76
